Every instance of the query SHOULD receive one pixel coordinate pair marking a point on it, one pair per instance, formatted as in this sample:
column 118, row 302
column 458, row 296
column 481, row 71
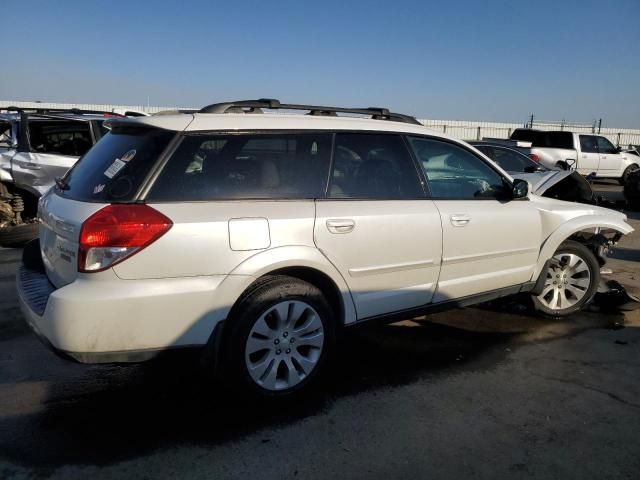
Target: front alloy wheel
column 571, row 280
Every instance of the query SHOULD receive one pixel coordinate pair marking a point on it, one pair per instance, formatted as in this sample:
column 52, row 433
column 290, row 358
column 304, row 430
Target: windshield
column 114, row 169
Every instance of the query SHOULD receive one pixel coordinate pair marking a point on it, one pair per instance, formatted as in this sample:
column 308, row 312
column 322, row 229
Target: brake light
column 116, row 232
column 535, row 157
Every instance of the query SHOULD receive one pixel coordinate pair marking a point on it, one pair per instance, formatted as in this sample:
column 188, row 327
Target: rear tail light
column 116, row 232
column 534, row 157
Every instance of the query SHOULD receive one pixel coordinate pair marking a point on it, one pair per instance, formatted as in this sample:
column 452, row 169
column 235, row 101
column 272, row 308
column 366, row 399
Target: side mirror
column 520, row 189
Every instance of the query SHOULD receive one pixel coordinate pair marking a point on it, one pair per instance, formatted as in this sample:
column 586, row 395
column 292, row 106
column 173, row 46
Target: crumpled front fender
column 575, row 225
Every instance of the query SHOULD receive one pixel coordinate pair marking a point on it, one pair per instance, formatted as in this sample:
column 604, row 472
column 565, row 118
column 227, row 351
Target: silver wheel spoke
column 269, row 378
column 312, row 340
column 310, row 324
column 284, row 345
column 261, row 328
column 258, row 344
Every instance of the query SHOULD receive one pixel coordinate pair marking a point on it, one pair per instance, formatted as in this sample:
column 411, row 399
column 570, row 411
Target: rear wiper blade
column 61, row 183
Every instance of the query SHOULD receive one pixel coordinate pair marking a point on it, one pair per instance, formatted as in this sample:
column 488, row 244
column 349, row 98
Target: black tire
column 569, row 247
column 18, row 235
column 625, row 175
column 258, row 299
column 562, row 166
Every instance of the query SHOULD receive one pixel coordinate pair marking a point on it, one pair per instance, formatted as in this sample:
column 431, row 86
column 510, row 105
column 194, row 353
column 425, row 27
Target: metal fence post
column 478, row 137
column 618, row 142
column 599, row 125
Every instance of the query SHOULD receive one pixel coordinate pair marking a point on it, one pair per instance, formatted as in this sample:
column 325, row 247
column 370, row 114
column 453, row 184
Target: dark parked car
column 559, row 184
column 632, row 190
column 510, row 159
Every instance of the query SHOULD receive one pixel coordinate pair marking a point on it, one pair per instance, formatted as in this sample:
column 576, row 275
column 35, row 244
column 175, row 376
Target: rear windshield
column 114, row 169
column 554, row 140
column 524, row 134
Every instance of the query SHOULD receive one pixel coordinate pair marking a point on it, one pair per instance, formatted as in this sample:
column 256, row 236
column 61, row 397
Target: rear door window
column 60, row 137
column 588, row 144
column 246, row 166
column 114, row 169
column 373, row 166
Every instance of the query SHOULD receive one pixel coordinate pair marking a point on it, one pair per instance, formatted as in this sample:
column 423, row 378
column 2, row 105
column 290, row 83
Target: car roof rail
column 257, row 106
column 47, row 111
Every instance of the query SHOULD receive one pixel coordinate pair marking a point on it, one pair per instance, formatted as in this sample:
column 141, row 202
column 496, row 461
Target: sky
column 454, row 60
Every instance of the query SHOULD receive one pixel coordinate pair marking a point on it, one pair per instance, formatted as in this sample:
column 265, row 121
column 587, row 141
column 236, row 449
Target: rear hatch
column 113, row 171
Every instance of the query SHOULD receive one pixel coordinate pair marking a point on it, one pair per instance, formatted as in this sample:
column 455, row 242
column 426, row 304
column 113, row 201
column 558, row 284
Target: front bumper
column 112, row 320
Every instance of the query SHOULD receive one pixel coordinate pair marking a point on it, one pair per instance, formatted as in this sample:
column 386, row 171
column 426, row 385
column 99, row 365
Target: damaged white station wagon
column 258, row 236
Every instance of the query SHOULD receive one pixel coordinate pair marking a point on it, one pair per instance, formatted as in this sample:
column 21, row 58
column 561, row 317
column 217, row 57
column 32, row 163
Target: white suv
column 258, row 236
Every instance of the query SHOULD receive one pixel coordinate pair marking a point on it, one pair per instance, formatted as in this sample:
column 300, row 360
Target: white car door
column 376, row 225
column 610, row 159
column 589, row 159
column 489, row 241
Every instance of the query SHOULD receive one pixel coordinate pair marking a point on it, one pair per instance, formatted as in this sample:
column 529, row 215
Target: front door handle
column 460, row 220
column 340, row 225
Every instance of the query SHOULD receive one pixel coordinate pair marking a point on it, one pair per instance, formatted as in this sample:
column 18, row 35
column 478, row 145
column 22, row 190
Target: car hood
column 542, row 181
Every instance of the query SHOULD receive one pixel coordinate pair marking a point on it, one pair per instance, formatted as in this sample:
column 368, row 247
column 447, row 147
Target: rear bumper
column 112, row 320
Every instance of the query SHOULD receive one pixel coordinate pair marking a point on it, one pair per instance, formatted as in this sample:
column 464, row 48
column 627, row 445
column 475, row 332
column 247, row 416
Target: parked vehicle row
column 36, row 146
column 258, row 238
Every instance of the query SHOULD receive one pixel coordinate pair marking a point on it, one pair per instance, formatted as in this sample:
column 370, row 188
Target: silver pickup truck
column 36, row 146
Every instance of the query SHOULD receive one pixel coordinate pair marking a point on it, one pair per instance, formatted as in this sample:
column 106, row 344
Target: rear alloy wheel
column 284, row 345
column 571, row 280
column 280, row 336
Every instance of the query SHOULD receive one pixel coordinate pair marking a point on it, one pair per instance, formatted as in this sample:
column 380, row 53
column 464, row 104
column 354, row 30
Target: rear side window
column 60, row 137
column 588, row 144
column 373, row 166
column 246, row 166
column 524, row 134
column 554, row 140
column 114, row 169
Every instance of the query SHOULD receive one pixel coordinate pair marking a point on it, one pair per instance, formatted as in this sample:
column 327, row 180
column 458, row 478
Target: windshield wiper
column 61, row 183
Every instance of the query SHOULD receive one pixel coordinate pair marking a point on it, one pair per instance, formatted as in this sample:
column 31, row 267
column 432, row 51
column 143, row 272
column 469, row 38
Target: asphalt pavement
column 490, row 392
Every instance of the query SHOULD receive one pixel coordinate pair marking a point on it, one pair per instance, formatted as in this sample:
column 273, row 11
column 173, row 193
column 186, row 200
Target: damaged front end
column 599, row 242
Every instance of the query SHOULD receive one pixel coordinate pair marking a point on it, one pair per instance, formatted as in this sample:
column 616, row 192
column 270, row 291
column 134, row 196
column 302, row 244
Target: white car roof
column 267, row 121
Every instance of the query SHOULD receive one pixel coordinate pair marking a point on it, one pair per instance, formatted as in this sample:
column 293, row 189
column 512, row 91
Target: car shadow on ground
column 104, row 414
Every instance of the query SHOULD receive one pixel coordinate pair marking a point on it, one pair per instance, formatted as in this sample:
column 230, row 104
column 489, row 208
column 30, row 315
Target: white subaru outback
column 258, row 236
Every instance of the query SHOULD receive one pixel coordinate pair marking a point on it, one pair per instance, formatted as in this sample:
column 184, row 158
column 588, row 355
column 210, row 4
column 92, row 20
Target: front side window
column 246, row 166
column 605, row 146
column 588, row 144
column 373, row 166
column 455, row 173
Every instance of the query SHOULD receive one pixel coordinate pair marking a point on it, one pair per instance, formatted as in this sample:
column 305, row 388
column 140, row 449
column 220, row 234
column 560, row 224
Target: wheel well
column 597, row 242
column 30, row 200
column 320, row 280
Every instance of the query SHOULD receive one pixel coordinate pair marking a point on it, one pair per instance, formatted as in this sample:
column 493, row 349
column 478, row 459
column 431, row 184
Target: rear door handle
column 340, row 225
column 31, row 166
column 460, row 220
